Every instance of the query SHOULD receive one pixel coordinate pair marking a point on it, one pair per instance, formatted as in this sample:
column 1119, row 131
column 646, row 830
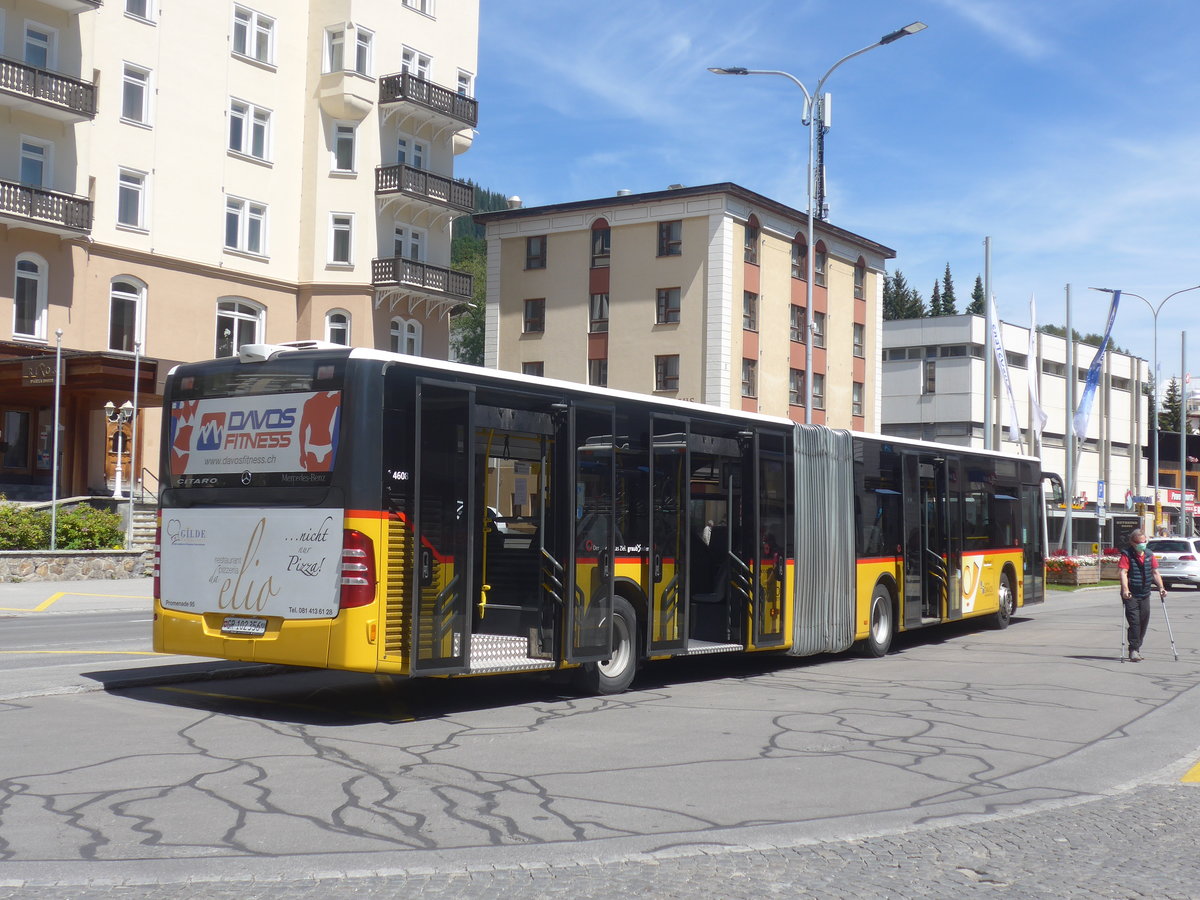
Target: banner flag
column 1014, row 419
column 1037, row 416
column 1084, row 412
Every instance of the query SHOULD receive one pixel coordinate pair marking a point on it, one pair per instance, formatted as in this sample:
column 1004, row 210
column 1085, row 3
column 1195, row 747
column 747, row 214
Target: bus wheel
column 1002, row 616
column 879, row 637
column 613, row 675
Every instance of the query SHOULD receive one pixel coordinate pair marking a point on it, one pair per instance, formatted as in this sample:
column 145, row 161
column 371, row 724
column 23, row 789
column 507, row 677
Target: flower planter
column 1079, row 575
column 1110, row 571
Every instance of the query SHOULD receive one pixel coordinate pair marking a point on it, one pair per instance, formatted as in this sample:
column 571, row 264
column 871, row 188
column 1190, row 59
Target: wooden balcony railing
column 418, row 183
column 405, row 86
column 37, row 204
column 47, row 87
column 399, row 272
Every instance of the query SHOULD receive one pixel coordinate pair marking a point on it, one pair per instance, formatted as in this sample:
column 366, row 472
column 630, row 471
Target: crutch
column 1170, row 633
column 1124, row 627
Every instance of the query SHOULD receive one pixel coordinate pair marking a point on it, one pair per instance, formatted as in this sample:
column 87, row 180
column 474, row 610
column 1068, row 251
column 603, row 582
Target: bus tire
column 1007, row 602
column 614, row 675
column 882, row 623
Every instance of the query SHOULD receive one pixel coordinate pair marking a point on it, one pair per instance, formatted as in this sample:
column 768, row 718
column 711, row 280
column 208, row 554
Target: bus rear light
column 157, row 558
column 358, row 569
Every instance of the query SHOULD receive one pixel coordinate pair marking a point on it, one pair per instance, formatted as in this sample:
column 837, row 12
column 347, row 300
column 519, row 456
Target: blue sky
column 1066, row 130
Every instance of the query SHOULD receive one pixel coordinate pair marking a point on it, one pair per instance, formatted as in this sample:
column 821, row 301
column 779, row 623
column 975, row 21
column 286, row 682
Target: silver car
column 1178, row 559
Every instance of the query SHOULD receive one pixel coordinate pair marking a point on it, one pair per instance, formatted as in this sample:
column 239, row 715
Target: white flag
column 1037, row 416
column 1014, row 420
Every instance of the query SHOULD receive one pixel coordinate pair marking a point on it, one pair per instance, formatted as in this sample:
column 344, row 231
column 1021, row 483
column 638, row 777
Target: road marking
column 87, row 652
column 1192, row 776
column 54, row 598
column 399, row 713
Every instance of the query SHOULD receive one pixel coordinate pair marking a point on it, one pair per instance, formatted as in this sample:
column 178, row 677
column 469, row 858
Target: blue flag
column 1093, row 376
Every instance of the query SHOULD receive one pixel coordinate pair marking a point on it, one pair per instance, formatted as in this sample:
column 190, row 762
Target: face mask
column 1140, row 548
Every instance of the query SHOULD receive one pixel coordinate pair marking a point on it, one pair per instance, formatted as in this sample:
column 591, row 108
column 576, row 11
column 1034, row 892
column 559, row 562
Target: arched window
column 337, row 327
column 126, row 314
column 800, row 258
column 750, row 250
column 29, row 297
column 860, row 279
column 238, row 322
column 820, row 258
column 601, row 243
column 406, row 336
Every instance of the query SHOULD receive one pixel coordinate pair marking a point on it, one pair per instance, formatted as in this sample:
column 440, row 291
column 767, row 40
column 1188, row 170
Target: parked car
column 1178, row 559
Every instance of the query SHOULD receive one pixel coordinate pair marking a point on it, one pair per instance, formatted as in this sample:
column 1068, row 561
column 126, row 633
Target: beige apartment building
column 179, row 178
column 694, row 293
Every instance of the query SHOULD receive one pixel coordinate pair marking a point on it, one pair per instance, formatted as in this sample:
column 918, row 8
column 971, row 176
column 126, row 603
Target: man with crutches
column 1139, row 575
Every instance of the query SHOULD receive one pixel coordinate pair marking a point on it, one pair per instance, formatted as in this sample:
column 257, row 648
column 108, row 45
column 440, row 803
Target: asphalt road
column 1031, row 761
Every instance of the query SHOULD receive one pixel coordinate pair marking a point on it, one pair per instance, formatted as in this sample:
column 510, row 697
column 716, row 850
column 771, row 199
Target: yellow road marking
column 397, row 708
column 215, row 696
column 88, row 652
column 54, row 598
column 1193, row 775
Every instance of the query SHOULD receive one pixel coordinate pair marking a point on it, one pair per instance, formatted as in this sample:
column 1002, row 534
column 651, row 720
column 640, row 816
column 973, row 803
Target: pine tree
column 1172, row 404
column 468, row 253
column 977, row 299
column 899, row 300
column 949, row 307
column 935, row 300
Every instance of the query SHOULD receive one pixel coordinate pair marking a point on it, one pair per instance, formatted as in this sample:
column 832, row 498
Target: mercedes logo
column 246, row 478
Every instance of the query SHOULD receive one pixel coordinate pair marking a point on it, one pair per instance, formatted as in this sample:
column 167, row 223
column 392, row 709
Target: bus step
column 695, row 648
column 502, row 653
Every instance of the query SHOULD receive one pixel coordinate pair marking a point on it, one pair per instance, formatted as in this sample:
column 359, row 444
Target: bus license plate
column 244, row 626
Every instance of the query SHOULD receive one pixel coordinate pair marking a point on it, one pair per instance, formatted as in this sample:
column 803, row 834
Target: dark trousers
column 1137, row 614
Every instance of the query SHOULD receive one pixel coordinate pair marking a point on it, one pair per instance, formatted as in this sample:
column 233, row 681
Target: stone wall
column 73, row 565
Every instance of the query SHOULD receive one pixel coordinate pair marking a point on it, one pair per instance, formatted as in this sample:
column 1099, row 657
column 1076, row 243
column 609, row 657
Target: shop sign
column 37, row 371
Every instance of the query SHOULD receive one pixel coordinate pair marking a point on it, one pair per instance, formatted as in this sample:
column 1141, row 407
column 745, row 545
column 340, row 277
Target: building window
column 335, row 50
column 131, row 198
column 535, row 252
column 135, row 95
column 670, row 238
column 860, row 280
column 125, row 314
column 409, row 243
column 466, row 83
column 797, row 324
column 930, row 386
column 363, row 41
column 856, row 398
column 749, row 311
column 819, row 261
column 245, row 226
column 425, row 6
column 818, row 397
column 29, row 298
column 39, row 46
column 253, row 35
column 341, row 238
column 343, row 148
column 413, row 62
column 239, row 322
column 408, row 340
column 800, row 259
column 666, row 307
column 666, row 373
column 601, row 244
column 750, row 247
column 749, row 378
column 337, row 327
column 249, row 129
column 35, row 162
column 410, row 152
column 598, row 372
column 598, row 313
column 535, row 317
column 139, row 9
column 818, row 329
column 860, row 337
column 796, row 387
column 536, row 369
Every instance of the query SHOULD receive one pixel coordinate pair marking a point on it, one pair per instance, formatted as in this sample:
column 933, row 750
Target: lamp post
column 1154, row 311
column 118, row 416
column 808, row 119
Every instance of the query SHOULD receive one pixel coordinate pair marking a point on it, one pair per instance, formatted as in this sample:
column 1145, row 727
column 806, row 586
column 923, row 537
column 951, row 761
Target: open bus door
column 592, row 496
column 931, row 590
column 670, row 535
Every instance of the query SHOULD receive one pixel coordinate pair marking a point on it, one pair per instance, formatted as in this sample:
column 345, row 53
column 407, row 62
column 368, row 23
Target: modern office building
column 695, row 293
column 933, row 389
column 180, row 178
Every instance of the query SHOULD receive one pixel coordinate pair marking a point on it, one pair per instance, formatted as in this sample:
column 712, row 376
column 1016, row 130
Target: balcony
column 74, row 6
column 46, row 93
column 45, row 210
column 397, row 278
column 429, row 97
column 423, row 185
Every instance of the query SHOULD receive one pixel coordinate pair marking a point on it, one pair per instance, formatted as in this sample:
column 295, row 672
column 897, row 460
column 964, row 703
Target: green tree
column 468, row 253
column 978, row 301
column 949, row 301
column 1172, row 405
column 935, row 300
column 1093, row 340
column 899, row 300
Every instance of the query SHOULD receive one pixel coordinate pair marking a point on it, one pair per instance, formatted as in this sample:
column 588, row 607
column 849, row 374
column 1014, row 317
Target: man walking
column 1139, row 574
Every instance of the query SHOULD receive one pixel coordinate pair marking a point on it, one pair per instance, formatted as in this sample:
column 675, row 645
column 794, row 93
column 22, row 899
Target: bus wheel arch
column 615, row 674
column 1006, row 598
column 881, row 619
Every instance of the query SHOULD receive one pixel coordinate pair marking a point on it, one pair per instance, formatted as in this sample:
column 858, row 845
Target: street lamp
column 118, row 415
column 807, row 119
column 1154, row 311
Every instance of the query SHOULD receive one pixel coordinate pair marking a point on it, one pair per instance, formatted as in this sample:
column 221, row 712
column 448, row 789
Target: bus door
column 927, row 575
column 592, row 496
column 669, row 535
column 445, row 508
column 771, row 528
column 1033, row 540
column 720, row 582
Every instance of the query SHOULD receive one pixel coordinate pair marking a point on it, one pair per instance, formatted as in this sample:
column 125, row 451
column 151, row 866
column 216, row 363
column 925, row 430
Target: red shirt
column 1124, row 563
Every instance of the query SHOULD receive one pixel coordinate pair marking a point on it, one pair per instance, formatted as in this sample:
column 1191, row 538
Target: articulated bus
column 368, row 511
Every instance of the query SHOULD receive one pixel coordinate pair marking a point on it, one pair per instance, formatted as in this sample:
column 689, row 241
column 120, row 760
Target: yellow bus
column 361, row 510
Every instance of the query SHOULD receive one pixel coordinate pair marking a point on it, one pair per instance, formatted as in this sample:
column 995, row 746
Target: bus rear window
column 275, row 377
